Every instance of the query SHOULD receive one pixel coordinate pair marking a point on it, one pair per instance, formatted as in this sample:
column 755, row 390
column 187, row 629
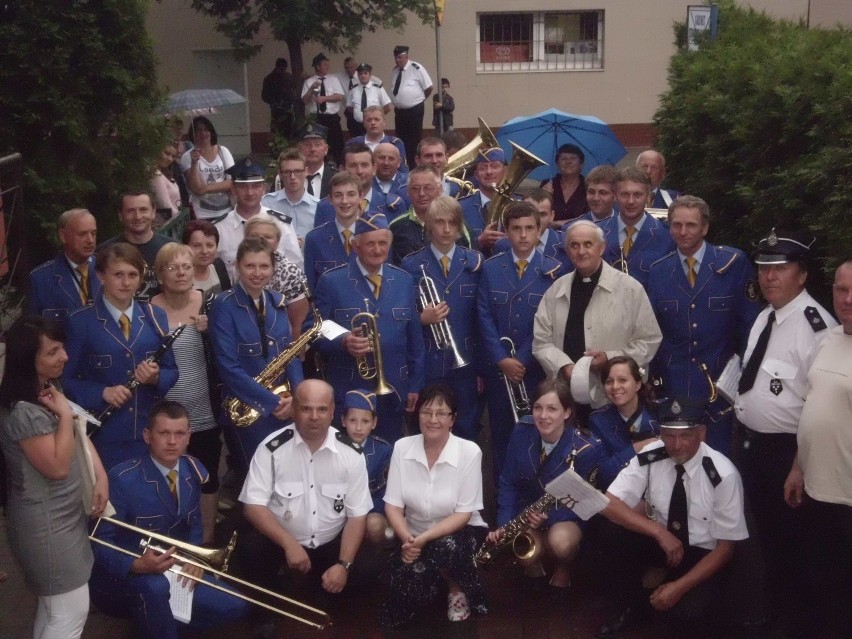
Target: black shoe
column 628, row 618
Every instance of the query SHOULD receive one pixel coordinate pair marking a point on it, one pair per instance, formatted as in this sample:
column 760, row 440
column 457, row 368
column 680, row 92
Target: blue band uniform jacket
column 607, row 425
column 652, row 242
column 53, row 292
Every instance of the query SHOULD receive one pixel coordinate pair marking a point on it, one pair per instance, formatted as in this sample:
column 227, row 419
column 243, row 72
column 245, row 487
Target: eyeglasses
column 435, row 414
column 292, row 172
column 179, row 268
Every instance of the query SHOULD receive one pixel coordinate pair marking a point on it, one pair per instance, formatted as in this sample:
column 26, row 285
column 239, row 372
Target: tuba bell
column 523, row 162
column 463, row 160
column 371, row 366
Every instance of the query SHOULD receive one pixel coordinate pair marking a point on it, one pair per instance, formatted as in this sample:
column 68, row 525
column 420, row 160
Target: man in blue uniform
column 654, row 165
column 510, row 288
column 551, row 242
column 600, row 194
column 368, row 284
column 358, row 160
column 67, row 282
column 374, row 123
column 489, row 171
column 159, row 492
column 328, row 246
column 634, row 239
column 455, row 272
column 390, row 178
column 111, row 342
column 705, row 300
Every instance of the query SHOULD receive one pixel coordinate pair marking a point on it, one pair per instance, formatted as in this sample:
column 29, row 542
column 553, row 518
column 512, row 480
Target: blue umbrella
column 543, row 133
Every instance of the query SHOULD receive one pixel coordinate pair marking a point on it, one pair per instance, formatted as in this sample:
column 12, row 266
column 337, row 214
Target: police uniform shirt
column 232, row 231
column 376, row 96
column 412, row 88
column 302, row 211
column 714, row 512
column 310, row 494
column 332, row 86
column 774, row 404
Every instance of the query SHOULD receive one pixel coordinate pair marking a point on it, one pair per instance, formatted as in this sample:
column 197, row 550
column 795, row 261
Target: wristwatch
column 345, row 564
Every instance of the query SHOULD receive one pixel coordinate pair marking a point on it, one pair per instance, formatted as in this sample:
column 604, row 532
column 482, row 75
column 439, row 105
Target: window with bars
column 539, row 41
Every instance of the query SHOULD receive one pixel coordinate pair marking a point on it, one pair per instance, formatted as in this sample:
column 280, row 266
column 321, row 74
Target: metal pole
column 440, row 91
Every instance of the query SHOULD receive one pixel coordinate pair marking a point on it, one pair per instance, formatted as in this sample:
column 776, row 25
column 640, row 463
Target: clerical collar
column 594, row 277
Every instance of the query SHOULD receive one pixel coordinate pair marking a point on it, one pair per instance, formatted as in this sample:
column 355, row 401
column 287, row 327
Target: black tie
column 754, row 362
column 363, row 97
column 397, row 83
column 311, row 183
column 351, row 84
column 323, row 106
column 678, row 516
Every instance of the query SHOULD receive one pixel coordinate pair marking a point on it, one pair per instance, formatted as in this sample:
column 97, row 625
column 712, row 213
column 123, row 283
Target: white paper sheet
column 729, row 380
column 81, row 449
column 577, row 494
column 332, row 330
column 180, row 597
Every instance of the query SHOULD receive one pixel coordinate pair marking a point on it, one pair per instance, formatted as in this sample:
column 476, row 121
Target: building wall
column 637, row 44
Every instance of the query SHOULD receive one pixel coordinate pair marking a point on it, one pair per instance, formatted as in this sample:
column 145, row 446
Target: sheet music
column 332, row 330
column 180, row 597
column 729, row 380
column 577, row 494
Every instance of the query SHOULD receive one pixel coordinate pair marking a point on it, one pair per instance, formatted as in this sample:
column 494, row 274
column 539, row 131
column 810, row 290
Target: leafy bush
column 759, row 123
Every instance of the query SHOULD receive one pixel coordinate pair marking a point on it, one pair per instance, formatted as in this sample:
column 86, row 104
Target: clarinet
column 132, row 383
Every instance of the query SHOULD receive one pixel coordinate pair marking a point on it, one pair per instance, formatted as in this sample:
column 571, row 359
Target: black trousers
column 765, row 462
column 409, row 128
column 335, row 135
column 355, row 128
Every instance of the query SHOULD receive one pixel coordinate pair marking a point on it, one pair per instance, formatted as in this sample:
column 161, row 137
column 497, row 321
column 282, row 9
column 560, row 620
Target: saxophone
column 242, row 414
column 518, row 530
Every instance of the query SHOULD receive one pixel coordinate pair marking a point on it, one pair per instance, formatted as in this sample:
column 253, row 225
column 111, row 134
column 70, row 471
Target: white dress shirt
column 376, row 96
column 452, row 485
column 412, row 88
column 311, row 494
column 232, row 231
column 332, row 87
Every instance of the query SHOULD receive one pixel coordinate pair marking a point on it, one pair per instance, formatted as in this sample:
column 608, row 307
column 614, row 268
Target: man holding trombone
column 158, row 493
column 447, row 277
column 375, row 300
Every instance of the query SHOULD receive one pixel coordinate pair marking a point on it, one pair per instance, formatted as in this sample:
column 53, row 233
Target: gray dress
column 46, row 520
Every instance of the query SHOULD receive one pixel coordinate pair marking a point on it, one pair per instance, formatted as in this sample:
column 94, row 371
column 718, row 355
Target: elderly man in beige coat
column 591, row 315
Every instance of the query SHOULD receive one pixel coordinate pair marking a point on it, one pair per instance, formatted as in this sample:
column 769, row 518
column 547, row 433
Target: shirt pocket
column 467, row 290
column 401, row 314
column 154, row 522
column 723, row 304
column 343, row 316
column 335, row 494
column 100, row 361
column 55, row 314
column 322, row 267
column 534, row 299
column 667, row 306
column 287, row 498
column 249, row 349
column 498, row 297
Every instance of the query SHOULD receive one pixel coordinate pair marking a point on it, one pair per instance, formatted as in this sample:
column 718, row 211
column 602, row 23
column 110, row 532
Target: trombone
column 369, row 328
column 441, row 332
column 518, row 396
column 214, row 561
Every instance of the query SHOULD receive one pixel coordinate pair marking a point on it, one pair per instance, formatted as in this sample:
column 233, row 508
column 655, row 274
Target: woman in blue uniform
column 624, row 426
column 249, row 327
column 538, row 453
column 111, row 342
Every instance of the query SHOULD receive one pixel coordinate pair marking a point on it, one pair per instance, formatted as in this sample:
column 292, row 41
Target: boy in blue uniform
column 455, row 272
column 489, row 171
column 328, row 245
column 359, row 420
column 159, row 492
column 705, row 300
column 511, row 286
column 369, row 284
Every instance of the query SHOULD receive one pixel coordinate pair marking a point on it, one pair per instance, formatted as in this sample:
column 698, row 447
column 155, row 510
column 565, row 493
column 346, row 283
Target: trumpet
column 518, row 396
column 621, row 263
column 366, row 323
column 241, row 413
column 441, row 332
column 214, row 561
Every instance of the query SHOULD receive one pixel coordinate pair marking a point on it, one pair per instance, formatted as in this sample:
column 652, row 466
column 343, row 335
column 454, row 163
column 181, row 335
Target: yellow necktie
column 172, row 478
column 628, row 243
column 83, row 270
column 377, row 284
column 650, row 199
column 124, row 323
column 690, row 273
column 445, row 265
column 521, row 265
column 364, row 205
column 347, row 234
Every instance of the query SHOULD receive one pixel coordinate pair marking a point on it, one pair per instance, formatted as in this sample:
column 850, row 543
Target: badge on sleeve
column 775, row 386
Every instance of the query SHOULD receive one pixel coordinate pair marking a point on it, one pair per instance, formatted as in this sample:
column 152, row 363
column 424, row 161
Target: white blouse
column 453, row 485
